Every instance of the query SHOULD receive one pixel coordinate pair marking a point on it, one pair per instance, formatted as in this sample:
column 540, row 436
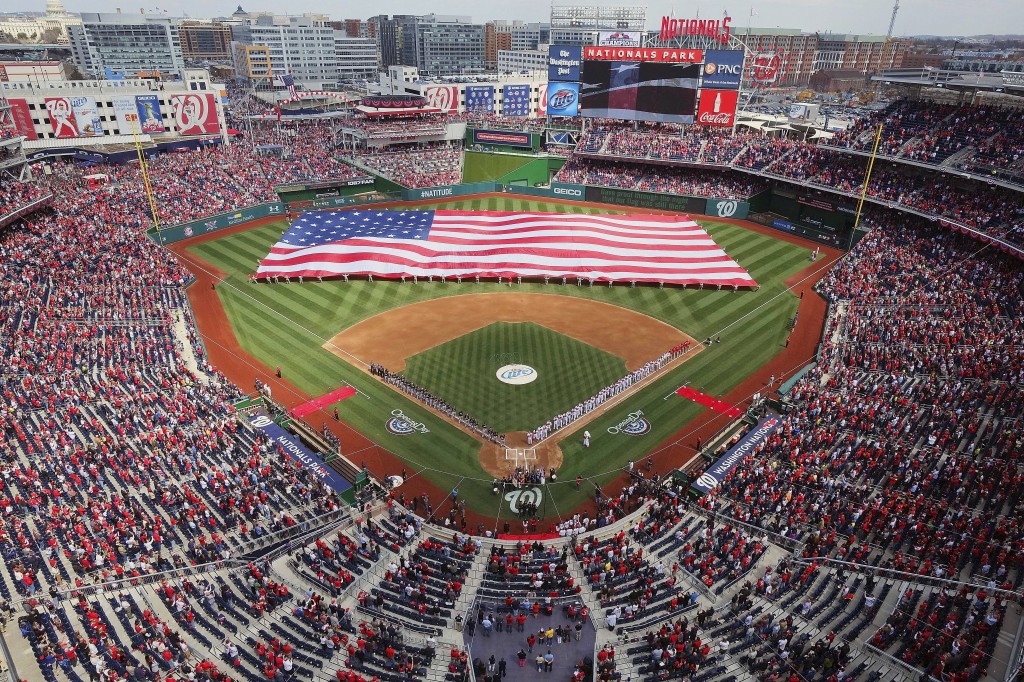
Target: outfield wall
column 218, row 221
column 721, row 208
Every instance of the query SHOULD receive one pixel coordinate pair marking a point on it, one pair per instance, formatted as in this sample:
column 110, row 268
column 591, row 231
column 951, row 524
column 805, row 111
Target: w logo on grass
column 519, row 498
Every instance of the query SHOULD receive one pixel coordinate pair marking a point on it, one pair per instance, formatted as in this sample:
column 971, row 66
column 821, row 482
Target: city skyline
column 916, row 17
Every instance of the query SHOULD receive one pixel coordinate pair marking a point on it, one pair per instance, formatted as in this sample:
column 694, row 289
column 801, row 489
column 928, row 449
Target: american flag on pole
column 393, row 244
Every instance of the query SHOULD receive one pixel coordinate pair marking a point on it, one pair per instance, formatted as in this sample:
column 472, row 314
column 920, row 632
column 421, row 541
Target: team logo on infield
column 523, row 496
column 635, row 424
column 516, row 374
column 400, row 425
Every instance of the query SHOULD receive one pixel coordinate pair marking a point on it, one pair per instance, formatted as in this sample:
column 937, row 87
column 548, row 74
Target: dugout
column 820, row 216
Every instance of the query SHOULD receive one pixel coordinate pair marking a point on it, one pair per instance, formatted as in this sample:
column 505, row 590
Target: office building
column 301, row 46
column 437, row 45
column 205, row 42
column 128, row 43
column 496, row 38
column 523, row 61
column 356, row 57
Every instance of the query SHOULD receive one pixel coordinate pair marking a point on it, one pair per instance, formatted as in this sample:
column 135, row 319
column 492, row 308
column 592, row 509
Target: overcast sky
column 916, row 17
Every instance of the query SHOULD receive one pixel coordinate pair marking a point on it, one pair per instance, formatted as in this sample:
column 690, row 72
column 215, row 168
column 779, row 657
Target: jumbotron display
column 639, row 91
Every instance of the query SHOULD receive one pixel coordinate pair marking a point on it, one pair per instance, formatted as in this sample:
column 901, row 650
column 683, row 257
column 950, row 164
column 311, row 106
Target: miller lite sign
column 717, row 108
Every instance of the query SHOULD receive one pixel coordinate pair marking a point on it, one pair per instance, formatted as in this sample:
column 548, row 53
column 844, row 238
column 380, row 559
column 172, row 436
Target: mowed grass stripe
column 330, row 307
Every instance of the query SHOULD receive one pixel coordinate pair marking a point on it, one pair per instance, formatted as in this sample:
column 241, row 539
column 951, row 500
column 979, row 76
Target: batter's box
column 521, row 456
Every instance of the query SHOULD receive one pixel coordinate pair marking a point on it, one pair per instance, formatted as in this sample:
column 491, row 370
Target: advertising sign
column 642, row 54
column 618, row 39
column 708, row 28
column 502, row 137
column 765, row 67
column 564, row 63
column 542, row 99
column 127, row 114
column 515, row 100
column 88, row 117
column 22, row 118
column 717, row 108
column 196, row 114
column 563, row 99
column 62, row 117
column 150, row 117
column 297, row 451
column 723, row 69
column 443, row 97
column 480, row 98
column 717, row 472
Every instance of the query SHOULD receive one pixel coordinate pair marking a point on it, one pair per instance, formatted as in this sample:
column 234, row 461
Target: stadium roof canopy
column 1006, row 82
column 368, row 111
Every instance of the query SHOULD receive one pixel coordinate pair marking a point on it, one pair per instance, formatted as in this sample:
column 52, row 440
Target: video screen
column 639, row 91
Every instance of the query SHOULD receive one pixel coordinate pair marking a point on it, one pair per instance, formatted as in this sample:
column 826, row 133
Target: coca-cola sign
column 717, row 108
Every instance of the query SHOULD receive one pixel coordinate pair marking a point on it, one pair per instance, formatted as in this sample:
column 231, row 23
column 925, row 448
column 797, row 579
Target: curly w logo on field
column 517, row 499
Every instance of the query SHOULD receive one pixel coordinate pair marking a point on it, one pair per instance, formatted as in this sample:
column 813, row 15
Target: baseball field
column 452, row 338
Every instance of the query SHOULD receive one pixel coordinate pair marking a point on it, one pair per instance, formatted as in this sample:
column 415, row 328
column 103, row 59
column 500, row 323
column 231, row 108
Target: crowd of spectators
column 894, row 453
column 15, row 195
column 425, row 165
column 662, row 141
column 118, row 459
column 660, row 179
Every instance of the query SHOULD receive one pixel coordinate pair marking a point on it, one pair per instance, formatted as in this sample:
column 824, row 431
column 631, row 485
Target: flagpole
column 864, row 189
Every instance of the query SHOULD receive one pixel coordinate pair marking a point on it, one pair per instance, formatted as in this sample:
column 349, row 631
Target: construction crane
column 892, row 21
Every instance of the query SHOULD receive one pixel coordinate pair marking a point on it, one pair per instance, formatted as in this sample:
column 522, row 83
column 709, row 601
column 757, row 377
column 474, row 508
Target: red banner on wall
column 196, row 114
column 717, row 108
column 23, row 118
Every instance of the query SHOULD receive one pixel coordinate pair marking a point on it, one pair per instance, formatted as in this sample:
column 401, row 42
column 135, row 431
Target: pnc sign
column 709, row 28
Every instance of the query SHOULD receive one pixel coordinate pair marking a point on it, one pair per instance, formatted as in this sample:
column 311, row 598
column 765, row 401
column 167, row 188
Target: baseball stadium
column 474, row 380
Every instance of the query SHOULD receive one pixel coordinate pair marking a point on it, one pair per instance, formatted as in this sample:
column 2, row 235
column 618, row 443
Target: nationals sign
column 443, row 97
column 643, row 54
column 196, row 114
column 717, row 108
column 709, row 28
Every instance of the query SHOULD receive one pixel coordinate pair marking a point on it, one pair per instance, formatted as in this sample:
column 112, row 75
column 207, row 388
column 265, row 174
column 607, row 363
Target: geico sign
column 566, row 191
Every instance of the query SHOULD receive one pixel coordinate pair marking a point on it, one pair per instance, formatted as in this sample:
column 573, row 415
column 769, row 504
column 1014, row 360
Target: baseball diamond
column 294, row 326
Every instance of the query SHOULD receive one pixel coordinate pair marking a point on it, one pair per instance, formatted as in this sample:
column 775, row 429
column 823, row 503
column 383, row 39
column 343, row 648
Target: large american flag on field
column 393, row 244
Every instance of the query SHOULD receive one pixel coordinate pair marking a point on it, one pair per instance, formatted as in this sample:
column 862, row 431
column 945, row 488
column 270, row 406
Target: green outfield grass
column 462, row 372
column 483, row 166
column 286, row 325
